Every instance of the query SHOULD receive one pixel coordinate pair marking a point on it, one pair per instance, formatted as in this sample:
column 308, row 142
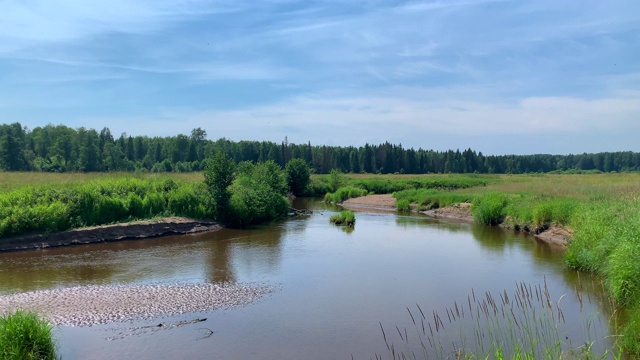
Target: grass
column 526, row 324
column 24, row 336
column 345, row 217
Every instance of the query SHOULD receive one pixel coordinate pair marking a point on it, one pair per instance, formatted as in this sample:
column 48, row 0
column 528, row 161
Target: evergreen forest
column 58, row 148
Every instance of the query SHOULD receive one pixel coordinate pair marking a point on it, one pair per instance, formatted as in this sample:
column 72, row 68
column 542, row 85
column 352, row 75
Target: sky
column 501, row 77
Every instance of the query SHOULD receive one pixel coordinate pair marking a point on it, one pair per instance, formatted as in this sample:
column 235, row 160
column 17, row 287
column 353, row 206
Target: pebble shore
column 93, row 305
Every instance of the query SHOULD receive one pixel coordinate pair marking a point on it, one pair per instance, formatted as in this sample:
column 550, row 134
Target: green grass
column 343, row 194
column 345, row 217
column 24, row 336
column 489, row 208
column 57, row 207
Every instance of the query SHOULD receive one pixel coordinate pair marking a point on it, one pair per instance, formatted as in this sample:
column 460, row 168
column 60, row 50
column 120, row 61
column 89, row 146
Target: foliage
column 24, row 336
column 343, row 194
column 298, row 176
column 60, row 148
column 489, row 209
column 428, row 199
column 403, row 205
column 336, row 180
column 345, row 217
column 218, row 176
column 258, row 195
column 52, row 208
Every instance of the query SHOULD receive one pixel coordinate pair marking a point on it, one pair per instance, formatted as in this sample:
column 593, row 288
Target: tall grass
column 526, row 324
column 343, row 194
column 345, row 217
column 427, row 199
column 489, row 209
column 52, row 208
column 24, row 336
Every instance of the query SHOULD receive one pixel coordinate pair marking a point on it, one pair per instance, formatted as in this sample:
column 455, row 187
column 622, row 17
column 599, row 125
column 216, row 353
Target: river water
column 333, row 288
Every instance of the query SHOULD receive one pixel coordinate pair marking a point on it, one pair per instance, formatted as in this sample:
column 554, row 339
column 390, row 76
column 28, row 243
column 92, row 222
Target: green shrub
column 489, row 209
column 403, row 205
column 344, row 193
column 24, row 336
column 345, row 217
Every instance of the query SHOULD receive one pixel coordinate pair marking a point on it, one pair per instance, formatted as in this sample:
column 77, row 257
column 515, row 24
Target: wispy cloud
column 399, row 71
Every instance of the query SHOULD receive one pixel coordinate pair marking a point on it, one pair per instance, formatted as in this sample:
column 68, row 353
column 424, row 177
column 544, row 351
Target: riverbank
column 135, row 230
column 553, row 235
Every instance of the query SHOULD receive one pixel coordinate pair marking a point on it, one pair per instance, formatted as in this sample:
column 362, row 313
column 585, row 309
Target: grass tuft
column 24, row 336
column 345, row 217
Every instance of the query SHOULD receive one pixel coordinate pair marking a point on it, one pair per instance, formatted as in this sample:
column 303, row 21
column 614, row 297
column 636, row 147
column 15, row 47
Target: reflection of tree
column 413, row 221
column 490, row 237
column 250, row 251
column 42, row 270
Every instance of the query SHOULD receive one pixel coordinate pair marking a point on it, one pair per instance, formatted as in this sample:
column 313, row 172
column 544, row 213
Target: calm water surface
column 333, row 287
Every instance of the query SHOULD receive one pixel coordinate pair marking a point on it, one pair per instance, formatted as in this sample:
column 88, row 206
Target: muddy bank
column 92, row 305
column 144, row 229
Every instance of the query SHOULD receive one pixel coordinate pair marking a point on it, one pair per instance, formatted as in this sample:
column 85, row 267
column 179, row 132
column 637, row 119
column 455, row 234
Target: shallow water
column 333, row 287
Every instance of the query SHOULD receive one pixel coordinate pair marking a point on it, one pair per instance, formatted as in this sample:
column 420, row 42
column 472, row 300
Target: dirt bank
column 144, row 229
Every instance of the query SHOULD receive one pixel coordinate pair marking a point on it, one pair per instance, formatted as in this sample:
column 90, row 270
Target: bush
column 489, row 209
column 345, row 217
column 24, row 335
column 403, row 205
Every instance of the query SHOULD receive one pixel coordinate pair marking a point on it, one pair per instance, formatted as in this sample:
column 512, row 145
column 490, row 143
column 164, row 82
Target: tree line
column 58, row 148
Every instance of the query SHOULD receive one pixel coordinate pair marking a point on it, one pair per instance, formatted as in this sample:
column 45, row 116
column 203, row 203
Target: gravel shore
column 92, row 305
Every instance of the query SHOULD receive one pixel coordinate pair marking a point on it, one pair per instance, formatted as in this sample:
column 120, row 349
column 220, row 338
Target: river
column 333, row 288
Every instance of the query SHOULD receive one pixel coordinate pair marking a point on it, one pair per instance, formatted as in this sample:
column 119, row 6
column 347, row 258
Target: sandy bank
column 92, row 305
column 384, row 202
column 107, row 233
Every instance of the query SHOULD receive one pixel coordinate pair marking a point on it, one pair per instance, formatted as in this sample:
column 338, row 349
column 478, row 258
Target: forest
column 58, row 148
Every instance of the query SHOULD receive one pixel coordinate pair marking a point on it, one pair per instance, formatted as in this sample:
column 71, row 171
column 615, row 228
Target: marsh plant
column 24, row 336
column 345, row 217
column 527, row 324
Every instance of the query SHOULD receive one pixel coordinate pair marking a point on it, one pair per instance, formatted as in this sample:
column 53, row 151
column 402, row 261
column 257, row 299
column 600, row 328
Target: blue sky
column 501, row 77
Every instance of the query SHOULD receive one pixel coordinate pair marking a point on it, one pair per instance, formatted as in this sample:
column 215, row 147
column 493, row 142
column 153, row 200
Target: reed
column 524, row 324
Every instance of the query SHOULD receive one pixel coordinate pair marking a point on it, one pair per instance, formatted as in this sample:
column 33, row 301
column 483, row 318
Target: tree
column 218, row 176
column 298, row 176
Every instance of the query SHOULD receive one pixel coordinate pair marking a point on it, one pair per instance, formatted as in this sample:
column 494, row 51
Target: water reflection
column 490, row 237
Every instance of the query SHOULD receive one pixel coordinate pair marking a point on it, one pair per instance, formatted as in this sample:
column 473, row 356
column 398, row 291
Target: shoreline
column 135, row 230
column 553, row 235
